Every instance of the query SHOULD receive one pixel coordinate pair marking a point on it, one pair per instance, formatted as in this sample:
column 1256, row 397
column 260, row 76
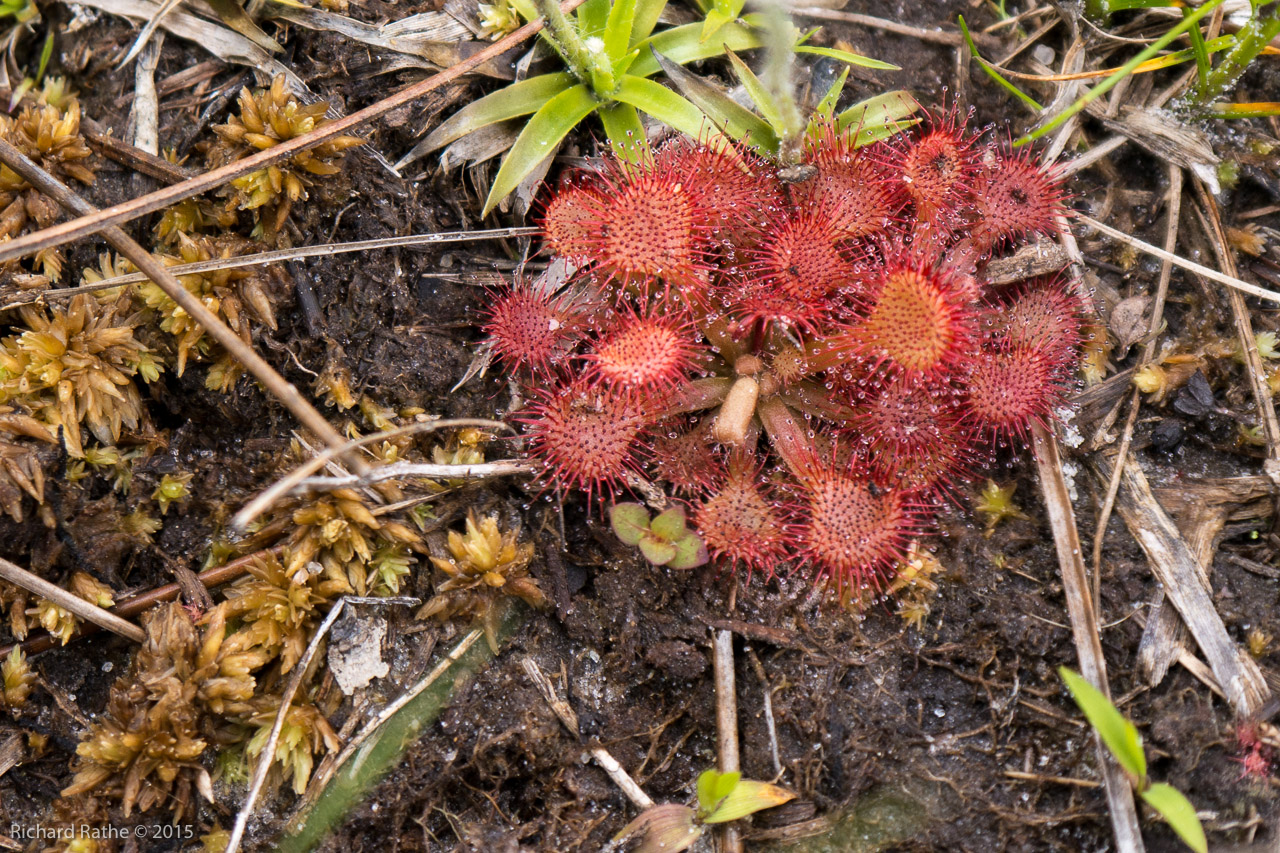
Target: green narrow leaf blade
column 617, row 32
column 848, row 57
column 994, row 74
column 666, row 106
column 518, row 99
column 592, row 16
column 706, row 788
column 646, row 18
column 728, row 115
column 713, row 22
column 826, row 108
column 758, row 93
column 683, row 45
column 748, row 797
column 625, row 132
column 540, row 137
column 1177, row 810
column 1120, row 73
column 879, row 117
column 1120, row 735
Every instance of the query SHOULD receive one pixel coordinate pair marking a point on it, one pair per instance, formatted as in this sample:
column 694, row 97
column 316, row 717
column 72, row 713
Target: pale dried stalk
column 100, row 220
column 244, row 354
column 1192, row 266
column 294, row 478
column 1084, row 628
column 323, row 250
column 87, row 611
column 569, row 720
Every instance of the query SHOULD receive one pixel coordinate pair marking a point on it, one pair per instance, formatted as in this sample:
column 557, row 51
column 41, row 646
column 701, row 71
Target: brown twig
column 86, row 610
column 133, row 157
column 131, row 607
column 1148, row 352
column 726, row 724
column 99, row 220
column 1084, row 628
column 244, row 354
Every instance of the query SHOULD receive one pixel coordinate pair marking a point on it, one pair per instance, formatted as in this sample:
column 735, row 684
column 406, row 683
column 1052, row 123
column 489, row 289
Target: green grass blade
column 1255, row 110
column 758, row 93
column 1201, row 52
column 355, row 778
column 848, row 57
column 668, row 107
column 682, row 45
column 518, row 99
column 545, row 130
column 994, row 74
column 1120, row 735
column 646, row 18
column 617, row 32
column 626, row 133
column 591, row 17
column 728, row 115
column 1252, row 38
column 879, row 117
column 1123, row 71
column 826, row 108
column 1179, row 813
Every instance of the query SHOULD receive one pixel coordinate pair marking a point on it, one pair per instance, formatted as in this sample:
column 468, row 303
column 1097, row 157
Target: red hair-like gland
column 743, row 523
column 854, row 532
column 645, row 223
column 917, row 320
column 1013, row 198
column 645, row 352
column 567, row 220
column 800, row 255
column 737, row 189
column 939, row 168
column 1043, row 314
column 529, row 327
column 860, row 192
column 586, row 436
column 914, row 436
column 1009, row 388
column 686, row 460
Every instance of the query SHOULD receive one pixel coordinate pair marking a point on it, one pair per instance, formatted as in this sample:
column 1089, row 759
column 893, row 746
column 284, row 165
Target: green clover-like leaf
column 630, row 522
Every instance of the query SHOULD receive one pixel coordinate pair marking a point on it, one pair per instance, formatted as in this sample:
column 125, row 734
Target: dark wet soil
column 913, row 732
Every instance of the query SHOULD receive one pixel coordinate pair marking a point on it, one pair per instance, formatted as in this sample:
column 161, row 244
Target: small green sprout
column 722, row 797
column 172, row 488
column 776, row 127
column 996, row 503
column 607, row 47
column 1123, row 741
column 663, row 540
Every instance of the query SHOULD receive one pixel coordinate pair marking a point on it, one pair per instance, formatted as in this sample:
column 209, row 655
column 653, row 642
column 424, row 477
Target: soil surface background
column 901, row 738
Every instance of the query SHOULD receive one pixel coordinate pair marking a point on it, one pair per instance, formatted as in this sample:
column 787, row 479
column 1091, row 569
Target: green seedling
column 607, row 47
column 722, row 797
column 664, row 540
column 1123, row 741
column 775, row 127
